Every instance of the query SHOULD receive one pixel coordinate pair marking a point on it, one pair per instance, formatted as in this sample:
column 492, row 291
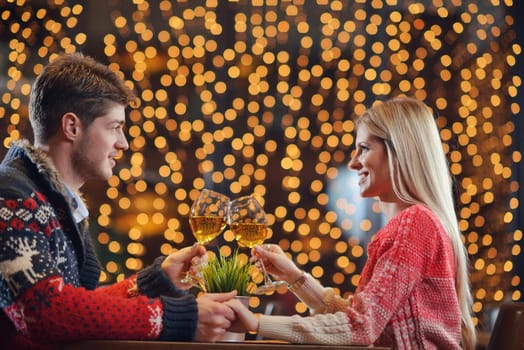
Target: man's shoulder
column 10, row 175
column 12, row 193
column 14, row 181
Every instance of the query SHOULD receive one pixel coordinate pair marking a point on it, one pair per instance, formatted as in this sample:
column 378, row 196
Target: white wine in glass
column 207, row 219
column 206, row 228
column 249, row 234
column 248, row 221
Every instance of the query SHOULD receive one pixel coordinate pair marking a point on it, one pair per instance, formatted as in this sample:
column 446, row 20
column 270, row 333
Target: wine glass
column 248, row 221
column 207, row 219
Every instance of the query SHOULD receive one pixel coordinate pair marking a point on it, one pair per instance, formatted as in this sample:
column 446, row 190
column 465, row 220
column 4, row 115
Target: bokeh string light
column 260, row 96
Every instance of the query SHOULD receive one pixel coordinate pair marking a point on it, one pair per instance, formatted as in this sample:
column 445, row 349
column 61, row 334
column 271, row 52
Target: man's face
column 101, row 142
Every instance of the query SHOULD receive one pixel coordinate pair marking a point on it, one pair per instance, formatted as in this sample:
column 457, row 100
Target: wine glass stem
column 267, row 279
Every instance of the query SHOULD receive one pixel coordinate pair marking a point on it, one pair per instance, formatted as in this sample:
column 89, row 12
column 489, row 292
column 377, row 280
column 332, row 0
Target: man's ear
column 71, row 126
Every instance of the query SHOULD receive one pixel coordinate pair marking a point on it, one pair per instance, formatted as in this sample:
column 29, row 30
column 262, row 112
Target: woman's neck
column 391, row 209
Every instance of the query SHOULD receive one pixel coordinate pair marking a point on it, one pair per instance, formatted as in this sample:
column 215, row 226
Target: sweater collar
column 45, row 167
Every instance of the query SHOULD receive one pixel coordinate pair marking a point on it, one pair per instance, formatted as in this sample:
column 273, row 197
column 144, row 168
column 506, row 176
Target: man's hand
column 177, row 264
column 214, row 316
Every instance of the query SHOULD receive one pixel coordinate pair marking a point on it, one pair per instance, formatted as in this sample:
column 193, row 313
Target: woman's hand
column 245, row 321
column 277, row 263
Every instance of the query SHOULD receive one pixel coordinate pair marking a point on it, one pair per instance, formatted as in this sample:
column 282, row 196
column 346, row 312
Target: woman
column 414, row 291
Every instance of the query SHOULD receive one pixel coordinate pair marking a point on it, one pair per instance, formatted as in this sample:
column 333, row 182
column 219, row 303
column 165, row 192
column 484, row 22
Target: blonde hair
column 420, row 175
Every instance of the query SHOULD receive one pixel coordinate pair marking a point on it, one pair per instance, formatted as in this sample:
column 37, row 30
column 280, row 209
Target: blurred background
column 260, row 96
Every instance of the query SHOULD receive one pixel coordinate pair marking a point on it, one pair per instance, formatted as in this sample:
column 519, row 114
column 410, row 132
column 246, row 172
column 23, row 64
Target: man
column 48, row 269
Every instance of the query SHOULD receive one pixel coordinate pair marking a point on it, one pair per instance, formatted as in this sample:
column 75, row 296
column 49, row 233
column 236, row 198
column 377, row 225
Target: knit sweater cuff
column 311, row 292
column 90, row 271
column 276, row 327
column 180, row 318
column 153, row 282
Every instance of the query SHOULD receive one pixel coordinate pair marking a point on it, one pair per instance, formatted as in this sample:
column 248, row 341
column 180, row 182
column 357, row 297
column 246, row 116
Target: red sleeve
column 53, row 312
column 126, row 288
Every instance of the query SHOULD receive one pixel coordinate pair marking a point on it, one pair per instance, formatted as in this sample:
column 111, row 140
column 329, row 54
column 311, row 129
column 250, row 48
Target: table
column 246, row 345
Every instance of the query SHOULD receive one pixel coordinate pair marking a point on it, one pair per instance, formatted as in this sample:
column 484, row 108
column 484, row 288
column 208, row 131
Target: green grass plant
column 225, row 274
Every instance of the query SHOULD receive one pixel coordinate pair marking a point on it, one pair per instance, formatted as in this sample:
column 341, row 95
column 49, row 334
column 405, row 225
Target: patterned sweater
column 406, row 297
column 49, row 273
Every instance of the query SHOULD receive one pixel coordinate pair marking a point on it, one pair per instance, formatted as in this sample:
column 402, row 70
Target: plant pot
column 236, row 336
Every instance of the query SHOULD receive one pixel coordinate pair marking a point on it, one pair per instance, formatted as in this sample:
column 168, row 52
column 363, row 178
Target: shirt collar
column 80, row 211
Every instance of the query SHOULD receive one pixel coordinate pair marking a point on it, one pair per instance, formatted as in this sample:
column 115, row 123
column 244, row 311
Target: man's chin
column 100, row 177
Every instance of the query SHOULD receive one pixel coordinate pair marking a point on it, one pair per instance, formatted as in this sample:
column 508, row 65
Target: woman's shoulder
column 418, row 212
column 417, row 218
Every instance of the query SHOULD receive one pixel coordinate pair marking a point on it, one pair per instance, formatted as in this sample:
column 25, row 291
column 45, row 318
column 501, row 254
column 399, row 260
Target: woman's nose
column 354, row 164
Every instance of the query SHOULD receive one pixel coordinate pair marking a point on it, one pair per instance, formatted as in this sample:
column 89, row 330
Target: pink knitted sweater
column 406, row 298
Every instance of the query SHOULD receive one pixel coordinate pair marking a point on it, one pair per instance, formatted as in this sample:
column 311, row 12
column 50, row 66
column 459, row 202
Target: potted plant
column 224, row 274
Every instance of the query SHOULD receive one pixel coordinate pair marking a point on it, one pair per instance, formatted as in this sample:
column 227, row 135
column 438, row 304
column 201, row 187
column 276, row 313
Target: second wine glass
column 248, row 221
column 207, row 219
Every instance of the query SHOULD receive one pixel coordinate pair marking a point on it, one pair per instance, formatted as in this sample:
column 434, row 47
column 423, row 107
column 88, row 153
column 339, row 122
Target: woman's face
column 371, row 162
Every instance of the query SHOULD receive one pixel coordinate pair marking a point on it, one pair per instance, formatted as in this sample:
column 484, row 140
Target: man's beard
column 83, row 166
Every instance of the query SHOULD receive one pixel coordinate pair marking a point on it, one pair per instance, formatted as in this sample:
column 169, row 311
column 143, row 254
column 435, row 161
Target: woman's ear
column 71, row 126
